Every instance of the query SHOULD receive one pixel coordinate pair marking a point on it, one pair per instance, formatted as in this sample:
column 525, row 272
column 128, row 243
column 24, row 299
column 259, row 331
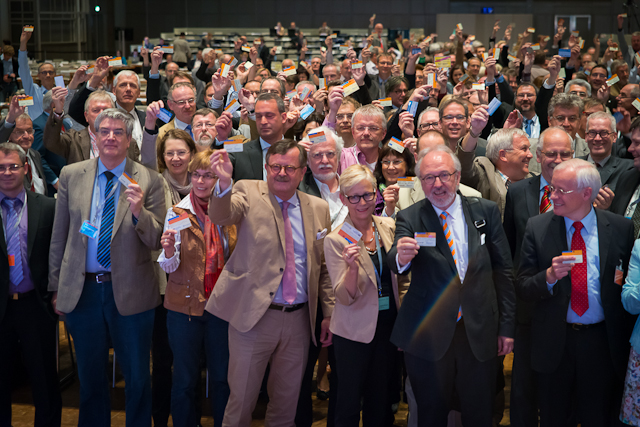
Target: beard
column 205, row 140
column 328, row 174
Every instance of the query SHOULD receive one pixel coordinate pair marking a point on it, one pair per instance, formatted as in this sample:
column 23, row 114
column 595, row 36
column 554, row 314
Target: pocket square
column 321, row 234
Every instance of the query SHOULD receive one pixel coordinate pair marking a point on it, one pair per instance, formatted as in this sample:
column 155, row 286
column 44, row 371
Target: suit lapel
column 559, row 235
column 307, row 221
column 255, row 157
column 431, row 222
column 85, row 186
column 604, row 239
column 532, row 196
column 33, row 213
column 123, row 205
column 277, row 214
column 472, row 231
column 607, row 170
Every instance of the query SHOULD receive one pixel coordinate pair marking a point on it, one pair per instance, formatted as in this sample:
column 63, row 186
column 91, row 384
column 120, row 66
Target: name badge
column 233, row 146
column 306, row 112
column 576, row 254
column 126, row 180
column 383, row 303
column 405, row 182
column 164, row 115
column 89, row 230
column 426, row 239
column 350, row 233
column 179, row 222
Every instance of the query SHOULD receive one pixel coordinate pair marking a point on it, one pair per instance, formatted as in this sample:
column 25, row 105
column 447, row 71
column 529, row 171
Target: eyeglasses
column 11, row 168
column 603, row 134
column 449, row 118
column 344, row 116
column 561, row 119
column 288, row 169
column 525, row 95
column 395, row 163
column 373, row 129
column 560, row 190
column 181, row 154
column 431, row 179
column 105, row 133
column 19, row 132
column 184, row 102
column 552, row 155
column 318, row 156
column 204, row 125
column 206, row 176
column 580, row 94
column 356, row 197
column 48, row 73
column 424, row 126
column 399, row 91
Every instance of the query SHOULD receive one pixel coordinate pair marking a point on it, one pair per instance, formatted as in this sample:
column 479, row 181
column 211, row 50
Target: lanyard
column 6, row 236
column 100, row 205
column 379, row 251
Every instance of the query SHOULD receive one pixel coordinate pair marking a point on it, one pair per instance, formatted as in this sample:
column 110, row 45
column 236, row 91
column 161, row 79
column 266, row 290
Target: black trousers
column 524, row 390
column 436, row 384
column 27, row 325
column 365, row 371
column 161, row 374
column 584, row 388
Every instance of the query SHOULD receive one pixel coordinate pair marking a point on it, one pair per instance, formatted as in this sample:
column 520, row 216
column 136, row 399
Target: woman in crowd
column 391, row 166
column 175, row 150
column 367, row 301
column 456, row 72
column 194, row 258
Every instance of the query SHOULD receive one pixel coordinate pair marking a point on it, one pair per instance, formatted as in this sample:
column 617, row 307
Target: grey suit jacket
column 134, row 277
column 611, row 171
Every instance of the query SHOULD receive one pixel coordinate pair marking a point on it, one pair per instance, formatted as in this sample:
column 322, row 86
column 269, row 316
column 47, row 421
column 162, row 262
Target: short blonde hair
column 353, row 176
column 201, row 160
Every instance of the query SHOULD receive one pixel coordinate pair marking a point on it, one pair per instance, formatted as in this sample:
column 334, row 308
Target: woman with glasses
column 194, row 258
column 367, row 301
column 174, row 152
column 391, row 165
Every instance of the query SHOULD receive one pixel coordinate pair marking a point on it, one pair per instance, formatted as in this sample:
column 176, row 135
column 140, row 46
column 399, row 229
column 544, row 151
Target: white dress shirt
column 337, row 210
column 137, row 128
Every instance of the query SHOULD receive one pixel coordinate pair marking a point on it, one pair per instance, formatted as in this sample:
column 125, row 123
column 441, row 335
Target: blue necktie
column 188, row 129
column 528, row 125
column 13, row 240
column 106, row 224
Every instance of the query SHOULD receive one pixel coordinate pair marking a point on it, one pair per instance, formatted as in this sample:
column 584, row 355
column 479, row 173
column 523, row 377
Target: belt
column 580, row 326
column 287, row 308
column 23, row 295
column 98, row 277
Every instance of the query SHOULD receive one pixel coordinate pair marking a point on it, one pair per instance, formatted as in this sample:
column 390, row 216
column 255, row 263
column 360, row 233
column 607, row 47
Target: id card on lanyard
column 383, row 301
column 91, row 229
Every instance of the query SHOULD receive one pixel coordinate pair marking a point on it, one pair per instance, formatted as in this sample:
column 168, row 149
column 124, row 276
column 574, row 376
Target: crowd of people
column 407, row 212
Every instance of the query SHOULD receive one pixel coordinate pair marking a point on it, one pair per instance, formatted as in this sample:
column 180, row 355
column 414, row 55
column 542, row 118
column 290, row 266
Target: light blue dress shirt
column 30, row 88
column 543, row 183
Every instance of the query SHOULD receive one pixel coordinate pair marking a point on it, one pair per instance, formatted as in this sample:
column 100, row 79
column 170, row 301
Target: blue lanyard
column 379, row 251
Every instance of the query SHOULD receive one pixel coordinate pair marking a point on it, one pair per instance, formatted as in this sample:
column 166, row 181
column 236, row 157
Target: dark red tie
column 30, row 175
column 579, row 294
column 545, row 203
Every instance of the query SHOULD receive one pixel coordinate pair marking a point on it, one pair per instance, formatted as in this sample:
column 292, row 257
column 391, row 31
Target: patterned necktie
column 636, row 220
column 106, row 223
column 449, row 236
column 545, row 202
column 289, row 288
column 528, row 126
column 579, row 294
column 13, row 240
column 30, row 176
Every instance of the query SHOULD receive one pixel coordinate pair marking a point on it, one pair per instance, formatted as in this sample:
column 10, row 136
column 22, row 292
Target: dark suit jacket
column 51, row 163
column 76, row 108
column 248, row 163
column 544, row 239
column 308, row 184
column 37, row 163
column 627, row 184
column 427, row 318
column 14, row 60
column 610, row 173
column 40, row 212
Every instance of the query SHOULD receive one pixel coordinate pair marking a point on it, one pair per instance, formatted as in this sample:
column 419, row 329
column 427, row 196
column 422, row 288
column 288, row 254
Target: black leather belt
column 98, row 277
column 287, row 308
column 23, row 295
column 581, row 327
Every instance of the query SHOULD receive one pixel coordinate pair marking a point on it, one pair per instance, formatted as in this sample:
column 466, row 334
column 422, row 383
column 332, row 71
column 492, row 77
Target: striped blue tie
column 106, row 224
column 13, row 240
column 188, row 129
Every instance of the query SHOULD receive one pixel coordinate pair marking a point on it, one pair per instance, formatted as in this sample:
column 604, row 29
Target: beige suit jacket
column 253, row 273
column 166, row 128
column 134, row 277
column 355, row 318
column 409, row 196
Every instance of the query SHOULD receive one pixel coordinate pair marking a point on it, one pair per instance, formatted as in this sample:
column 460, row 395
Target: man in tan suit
column 507, row 161
column 269, row 288
column 77, row 146
column 101, row 270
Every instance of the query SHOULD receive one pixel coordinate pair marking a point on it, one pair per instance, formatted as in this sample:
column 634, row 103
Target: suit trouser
column 281, row 340
column 459, row 373
column 94, row 320
column 161, row 374
column 27, row 325
column 584, row 381
column 524, row 393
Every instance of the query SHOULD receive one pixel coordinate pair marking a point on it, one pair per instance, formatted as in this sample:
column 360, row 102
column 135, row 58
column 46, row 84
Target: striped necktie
column 13, row 240
column 106, row 224
column 449, row 236
column 545, row 202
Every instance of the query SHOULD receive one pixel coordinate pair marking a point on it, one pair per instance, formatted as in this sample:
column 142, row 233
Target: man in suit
column 507, row 161
column 627, row 195
column 452, row 329
column 526, row 199
column 18, row 128
column 378, row 81
column 126, row 87
column 455, row 123
column 271, row 307
column 101, row 270
column 27, row 320
column 181, row 50
column 580, row 330
column 182, row 101
column 270, row 119
column 600, row 136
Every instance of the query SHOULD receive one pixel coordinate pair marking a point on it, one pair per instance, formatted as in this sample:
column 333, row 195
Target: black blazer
column 427, row 318
column 14, row 60
column 627, row 184
column 545, row 239
column 308, row 185
column 610, row 173
column 76, row 108
column 40, row 212
column 247, row 164
column 37, row 161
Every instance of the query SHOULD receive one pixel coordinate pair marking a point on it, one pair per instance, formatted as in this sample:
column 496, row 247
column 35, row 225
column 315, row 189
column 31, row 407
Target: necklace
column 374, row 250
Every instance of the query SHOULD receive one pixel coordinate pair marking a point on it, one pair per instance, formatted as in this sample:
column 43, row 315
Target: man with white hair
column 507, row 160
column 580, row 330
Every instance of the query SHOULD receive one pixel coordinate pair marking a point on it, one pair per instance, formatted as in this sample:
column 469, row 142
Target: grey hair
column 116, row 114
column 426, row 110
column 125, row 73
column 369, row 110
column 603, row 115
column 635, row 92
column 100, row 95
column 578, row 82
column 339, row 142
column 47, row 100
column 10, row 147
column 587, row 176
column 502, row 140
column 565, row 100
column 543, row 135
column 437, row 149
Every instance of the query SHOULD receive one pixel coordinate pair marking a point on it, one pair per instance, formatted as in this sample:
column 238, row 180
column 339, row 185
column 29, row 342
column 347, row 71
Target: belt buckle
column 576, row 326
column 99, row 278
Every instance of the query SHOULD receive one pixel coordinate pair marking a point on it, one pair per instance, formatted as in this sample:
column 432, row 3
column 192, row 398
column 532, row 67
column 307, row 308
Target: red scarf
column 214, row 262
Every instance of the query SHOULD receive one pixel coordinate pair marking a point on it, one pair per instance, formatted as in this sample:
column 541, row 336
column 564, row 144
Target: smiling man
column 625, row 201
column 368, row 128
column 182, row 101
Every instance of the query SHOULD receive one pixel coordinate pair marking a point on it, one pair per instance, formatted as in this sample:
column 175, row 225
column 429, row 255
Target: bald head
column 429, row 139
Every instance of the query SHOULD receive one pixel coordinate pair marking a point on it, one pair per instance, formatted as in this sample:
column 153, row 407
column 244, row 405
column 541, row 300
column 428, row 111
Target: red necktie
column 289, row 288
column 579, row 294
column 30, row 175
column 545, row 203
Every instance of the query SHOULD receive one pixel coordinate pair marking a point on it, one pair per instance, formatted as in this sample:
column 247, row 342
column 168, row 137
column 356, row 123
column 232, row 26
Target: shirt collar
column 588, row 222
column 180, row 124
column 132, row 112
column 117, row 171
column 601, row 162
column 186, row 204
column 21, row 196
column 264, row 144
column 293, row 201
column 324, row 188
column 543, row 182
column 454, row 211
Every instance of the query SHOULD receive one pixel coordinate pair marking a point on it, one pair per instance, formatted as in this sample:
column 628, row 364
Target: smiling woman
column 175, row 150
